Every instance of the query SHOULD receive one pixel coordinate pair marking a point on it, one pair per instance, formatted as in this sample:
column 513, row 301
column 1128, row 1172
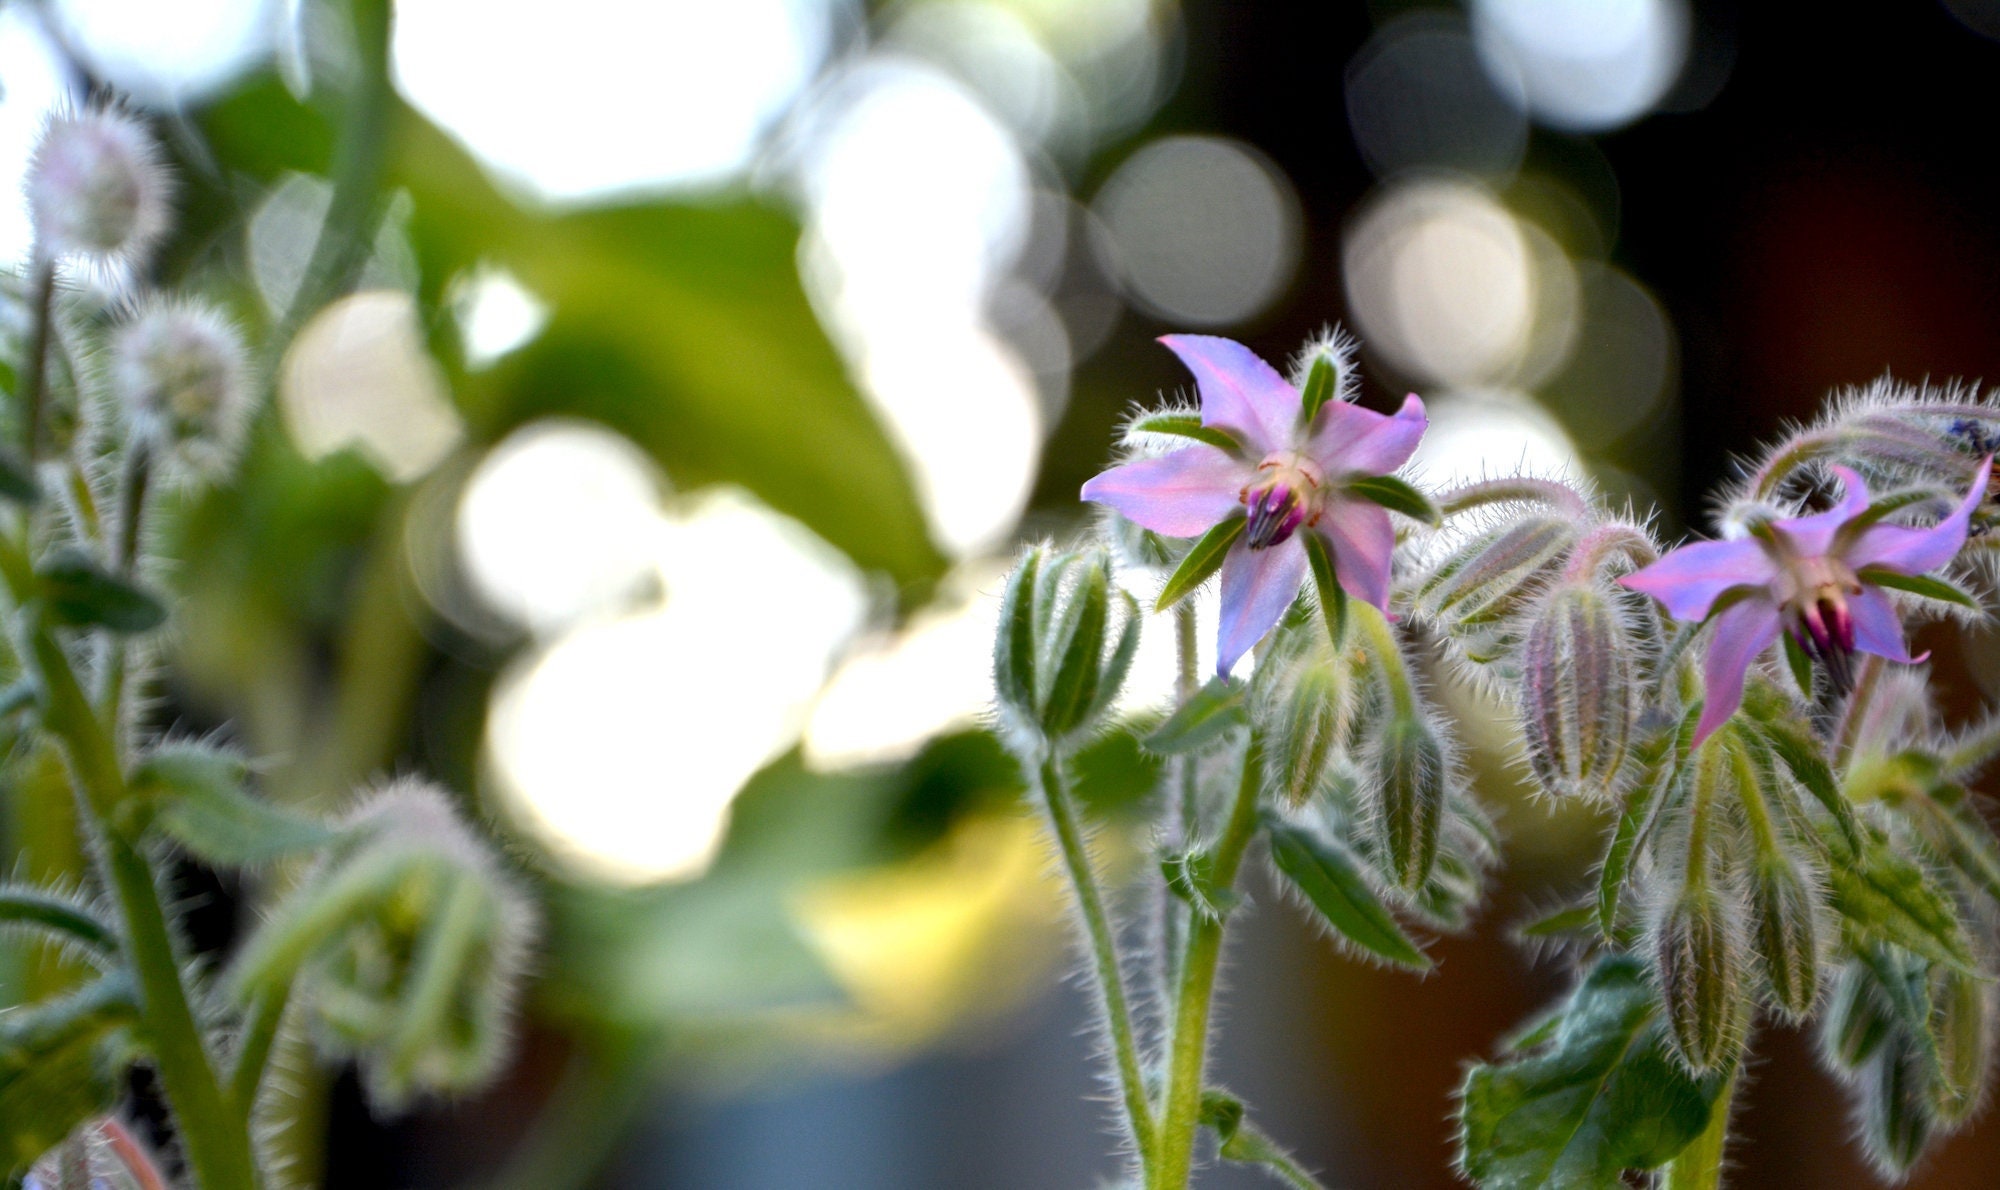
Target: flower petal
column 1741, row 632
column 1257, row 587
column 1813, row 535
column 1239, row 391
column 1181, row 494
column 1688, row 580
column 1363, row 540
column 1914, row 551
column 1351, row 440
column 1877, row 627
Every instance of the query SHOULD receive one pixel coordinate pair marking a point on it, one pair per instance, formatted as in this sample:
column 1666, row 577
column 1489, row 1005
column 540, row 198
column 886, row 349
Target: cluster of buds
column 1065, row 643
column 407, row 944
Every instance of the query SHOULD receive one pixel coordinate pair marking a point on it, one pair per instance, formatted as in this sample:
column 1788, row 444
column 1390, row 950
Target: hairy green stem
column 1699, row 1166
column 1173, row 1157
column 1187, row 811
column 1104, row 951
column 35, row 362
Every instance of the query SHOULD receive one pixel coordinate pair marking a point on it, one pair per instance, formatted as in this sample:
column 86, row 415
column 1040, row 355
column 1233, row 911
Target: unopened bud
column 1479, row 584
column 1897, row 1122
column 1061, row 654
column 97, row 189
column 1962, row 1027
column 1576, row 691
column 1413, row 781
column 1859, row 1017
column 181, row 374
column 1788, row 936
column 1299, row 692
column 1699, row 949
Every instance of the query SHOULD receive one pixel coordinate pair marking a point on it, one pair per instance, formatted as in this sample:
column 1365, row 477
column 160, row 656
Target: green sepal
column 1332, row 596
column 1201, row 562
column 1641, row 804
column 1014, row 644
column 1075, row 662
column 199, row 796
column 1331, row 881
column 1800, row 664
column 81, row 593
column 1188, row 425
column 1573, row 921
column 1928, row 586
column 1238, row 1140
column 1119, row 664
column 1884, row 896
column 1591, row 1093
column 17, row 479
column 1211, row 713
column 1396, row 495
column 1802, row 759
column 1190, row 875
column 1322, row 385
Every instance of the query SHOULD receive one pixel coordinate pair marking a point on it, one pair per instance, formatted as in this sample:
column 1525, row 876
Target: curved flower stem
column 1514, row 489
column 1699, row 1166
column 1104, row 952
column 1173, row 1157
column 1599, row 545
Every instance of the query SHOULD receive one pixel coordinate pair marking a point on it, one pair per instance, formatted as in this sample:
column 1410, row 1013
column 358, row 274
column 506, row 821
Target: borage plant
column 1788, row 839
column 390, row 935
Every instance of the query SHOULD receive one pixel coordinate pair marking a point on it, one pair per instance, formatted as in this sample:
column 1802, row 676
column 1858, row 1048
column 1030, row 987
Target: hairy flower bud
column 407, row 943
column 1788, row 936
column 1961, row 1025
column 1577, row 704
column 1699, row 949
column 1300, row 698
column 1859, row 1017
column 1413, row 781
column 1897, row 1120
column 1482, row 582
column 1057, row 665
column 97, row 189
column 180, row 372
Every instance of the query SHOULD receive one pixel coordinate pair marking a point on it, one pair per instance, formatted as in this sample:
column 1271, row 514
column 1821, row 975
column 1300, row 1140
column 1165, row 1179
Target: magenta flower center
column 1284, row 494
column 1812, row 599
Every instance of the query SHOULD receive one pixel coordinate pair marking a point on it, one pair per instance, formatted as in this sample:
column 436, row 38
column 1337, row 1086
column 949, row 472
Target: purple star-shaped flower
column 1286, row 476
column 1807, row 575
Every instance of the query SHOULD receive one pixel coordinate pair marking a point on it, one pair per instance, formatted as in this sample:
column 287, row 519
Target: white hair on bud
column 1337, row 345
column 99, row 193
column 180, row 373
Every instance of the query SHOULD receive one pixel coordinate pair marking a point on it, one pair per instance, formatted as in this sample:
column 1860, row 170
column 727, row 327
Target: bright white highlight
column 1202, row 231
column 31, row 86
column 621, row 745
column 496, row 314
column 1480, row 434
column 358, row 376
column 559, row 522
column 595, row 98
column 1584, row 65
column 166, row 53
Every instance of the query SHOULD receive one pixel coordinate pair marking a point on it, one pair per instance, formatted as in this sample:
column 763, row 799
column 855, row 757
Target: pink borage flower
column 1283, row 473
column 1813, row 577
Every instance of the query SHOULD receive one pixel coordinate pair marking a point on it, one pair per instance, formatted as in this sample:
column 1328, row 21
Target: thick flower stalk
column 1271, row 470
column 1820, row 578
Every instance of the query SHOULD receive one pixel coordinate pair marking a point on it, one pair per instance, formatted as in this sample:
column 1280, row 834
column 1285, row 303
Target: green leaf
column 1599, row 1094
column 17, row 479
column 1886, row 897
column 1215, row 710
column 1322, row 385
column 52, row 1074
column 1188, row 425
column 1639, row 804
column 1563, row 923
column 1925, row 585
column 53, row 915
column 1201, row 561
column 1396, row 495
column 1332, row 596
column 1332, row 882
column 1014, row 644
column 82, row 593
column 200, row 798
column 1118, row 664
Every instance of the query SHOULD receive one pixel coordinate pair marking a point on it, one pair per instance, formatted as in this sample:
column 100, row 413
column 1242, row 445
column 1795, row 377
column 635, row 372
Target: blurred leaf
column 1333, row 884
column 82, row 593
column 1598, row 1093
column 51, row 1075
column 1237, row 1139
column 1215, row 710
column 202, row 800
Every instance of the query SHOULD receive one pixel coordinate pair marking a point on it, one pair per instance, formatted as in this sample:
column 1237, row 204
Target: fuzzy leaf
column 81, row 593
column 1396, row 495
column 53, row 915
column 202, row 801
column 1331, row 880
column 1800, row 664
column 1600, row 1093
column 1322, row 385
column 1074, row 659
column 1577, row 920
column 1928, row 586
column 1887, row 897
column 1214, row 711
column 1188, row 425
column 1639, row 803
column 1202, row 561
column 1014, row 644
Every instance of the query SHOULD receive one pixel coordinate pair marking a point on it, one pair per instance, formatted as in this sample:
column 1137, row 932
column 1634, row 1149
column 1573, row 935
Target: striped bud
column 1413, row 782
column 1788, row 936
column 1478, row 587
column 1065, row 642
column 1859, row 1017
column 1576, row 692
column 1897, row 1121
column 1699, row 949
column 1299, row 691
column 1961, row 1025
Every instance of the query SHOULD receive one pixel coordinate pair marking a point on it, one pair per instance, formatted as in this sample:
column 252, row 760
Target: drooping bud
column 1699, row 950
column 1961, row 1025
column 407, row 945
column 1576, row 691
column 98, row 192
column 1787, row 917
column 1413, row 781
column 1859, row 1016
column 180, row 372
column 1057, row 664
column 1897, row 1122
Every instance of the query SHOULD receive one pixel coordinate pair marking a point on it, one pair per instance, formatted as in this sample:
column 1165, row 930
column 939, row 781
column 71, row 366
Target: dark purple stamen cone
column 1275, row 513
